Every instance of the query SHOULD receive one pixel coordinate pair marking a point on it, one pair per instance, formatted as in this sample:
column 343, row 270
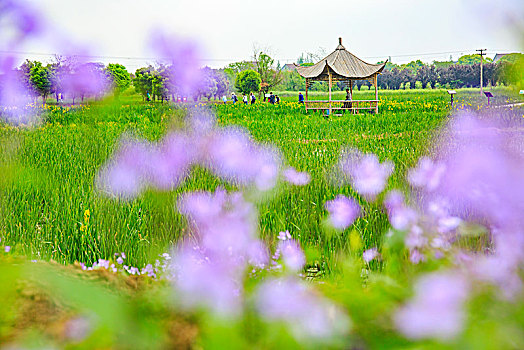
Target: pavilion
column 341, row 65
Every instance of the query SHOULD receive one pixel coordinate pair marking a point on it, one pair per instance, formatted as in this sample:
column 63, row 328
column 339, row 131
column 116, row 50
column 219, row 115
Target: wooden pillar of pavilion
column 330, row 78
column 375, row 80
column 307, row 83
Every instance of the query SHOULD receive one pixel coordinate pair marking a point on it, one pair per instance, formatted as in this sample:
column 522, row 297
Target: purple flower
column 283, row 236
column 436, row 311
column 233, row 156
column 368, row 176
column 225, row 223
column 78, row 328
column 484, row 178
column 370, row 254
column 125, row 175
column 416, row 257
column 342, row 211
column 7, row 249
column 296, row 178
column 292, row 254
column 400, row 215
column 119, row 260
column 415, row 238
column 427, row 174
column 309, row 316
column 169, row 163
column 183, row 59
column 15, row 96
column 200, row 282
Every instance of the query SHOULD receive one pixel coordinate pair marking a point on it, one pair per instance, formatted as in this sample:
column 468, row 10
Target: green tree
column 248, row 81
column 270, row 77
column 473, row 59
column 40, row 78
column 119, row 76
column 143, row 81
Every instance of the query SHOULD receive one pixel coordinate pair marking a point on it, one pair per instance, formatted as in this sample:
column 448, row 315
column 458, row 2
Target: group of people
column 251, row 99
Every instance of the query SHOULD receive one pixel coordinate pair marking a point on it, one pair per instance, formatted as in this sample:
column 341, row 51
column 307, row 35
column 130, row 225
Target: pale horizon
column 227, row 31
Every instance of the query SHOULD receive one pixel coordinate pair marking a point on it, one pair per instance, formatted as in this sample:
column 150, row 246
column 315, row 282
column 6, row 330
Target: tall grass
column 50, row 207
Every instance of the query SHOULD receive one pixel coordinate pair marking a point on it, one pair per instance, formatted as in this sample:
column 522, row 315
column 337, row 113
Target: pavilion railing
column 342, row 105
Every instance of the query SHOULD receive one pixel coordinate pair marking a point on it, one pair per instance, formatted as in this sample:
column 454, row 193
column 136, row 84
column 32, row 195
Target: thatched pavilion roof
column 343, row 65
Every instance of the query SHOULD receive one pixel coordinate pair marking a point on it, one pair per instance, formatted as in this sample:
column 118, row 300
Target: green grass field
column 50, row 208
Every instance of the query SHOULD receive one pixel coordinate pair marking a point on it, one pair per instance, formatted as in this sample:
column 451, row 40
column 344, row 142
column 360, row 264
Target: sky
column 228, row 30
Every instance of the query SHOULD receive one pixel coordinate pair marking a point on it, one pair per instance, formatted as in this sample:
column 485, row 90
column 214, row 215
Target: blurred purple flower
column 169, row 163
column 292, row 255
column 201, row 282
column 296, row 178
column 427, row 174
column 415, row 238
column 415, row 256
column 484, row 178
column 370, row 254
column 342, row 211
column 283, row 236
column 307, row 315
column 233, row 156
column 78, row 328
column 368, row 176
column 183, row 59
column 25, row 19
column 436, row 311
column 124, row 175
column 82, row 80
column 7, row 249
column 400, row 215
column 225, row 223
column 15, row 96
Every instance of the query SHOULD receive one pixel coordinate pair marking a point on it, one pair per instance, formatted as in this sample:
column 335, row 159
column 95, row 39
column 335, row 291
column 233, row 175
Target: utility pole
column 482, row 53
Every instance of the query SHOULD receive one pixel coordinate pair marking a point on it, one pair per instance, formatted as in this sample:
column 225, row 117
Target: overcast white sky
column 228, row 29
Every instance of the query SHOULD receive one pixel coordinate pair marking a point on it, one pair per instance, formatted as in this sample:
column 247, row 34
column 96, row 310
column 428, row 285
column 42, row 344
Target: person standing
column 234, row 98
column 224, row 99
column 253, row 98
column 271, row 98
column 244, row 99
column 300, row 97
column 348, row 104
column 277, row 99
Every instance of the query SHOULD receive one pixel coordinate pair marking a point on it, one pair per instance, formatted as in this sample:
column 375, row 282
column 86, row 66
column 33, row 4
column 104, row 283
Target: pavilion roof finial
column 340, row 47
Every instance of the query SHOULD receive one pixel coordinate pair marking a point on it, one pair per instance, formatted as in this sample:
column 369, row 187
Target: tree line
column 69, row 78
column 416, row 74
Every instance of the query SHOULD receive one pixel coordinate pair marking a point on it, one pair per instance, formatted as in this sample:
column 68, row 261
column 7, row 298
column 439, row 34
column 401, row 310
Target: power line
column 136, row 58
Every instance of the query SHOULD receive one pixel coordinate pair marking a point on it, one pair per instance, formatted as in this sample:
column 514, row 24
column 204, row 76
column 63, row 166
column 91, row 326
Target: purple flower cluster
column 161, row 266
column 370, row 254
column 308, row 315
column 229, row 153
column 479, row 178
column 208, row 270
column 183, row 58
column 295, row 177
column 342, row 211
column 24, row 23
column 437, row 309
column 367, row 175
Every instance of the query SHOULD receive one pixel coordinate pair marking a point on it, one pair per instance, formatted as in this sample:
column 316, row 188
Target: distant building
column 289, row 67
